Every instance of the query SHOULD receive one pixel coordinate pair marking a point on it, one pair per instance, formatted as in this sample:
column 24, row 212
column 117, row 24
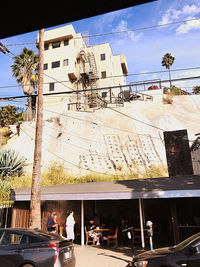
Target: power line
column 100, row 89
column 69, row 162
column 84, row 148
column 119, row 32
column 108, row 77
column 148, row 124
column 96, row 123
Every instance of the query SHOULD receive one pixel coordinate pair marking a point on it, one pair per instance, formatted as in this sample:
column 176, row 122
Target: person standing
column 70, row 225
column 51, row 224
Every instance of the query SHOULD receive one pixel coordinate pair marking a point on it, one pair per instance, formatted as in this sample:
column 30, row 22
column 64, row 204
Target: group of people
column 52, row 226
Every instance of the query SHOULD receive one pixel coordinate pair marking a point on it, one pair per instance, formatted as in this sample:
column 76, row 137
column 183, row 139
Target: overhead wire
column 120, row 32
column 94, row 123
column 115, row 76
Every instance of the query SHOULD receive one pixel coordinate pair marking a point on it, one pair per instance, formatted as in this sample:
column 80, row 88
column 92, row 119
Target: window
column 104, row 94
column 55, row 44
column 46, row 47
column 51, row 87
column 55, row 64
column 66, row 42
column 45, row 66
column 65, row 62
column 103, row 56
column 103, row 74
column 9, row 238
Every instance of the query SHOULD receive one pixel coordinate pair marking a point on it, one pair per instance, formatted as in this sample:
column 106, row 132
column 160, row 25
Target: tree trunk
column 35, row 208
column 170, row 82
column 30, row 112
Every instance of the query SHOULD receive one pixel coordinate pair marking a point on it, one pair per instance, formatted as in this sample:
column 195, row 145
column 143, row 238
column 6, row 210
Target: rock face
column 106, row 141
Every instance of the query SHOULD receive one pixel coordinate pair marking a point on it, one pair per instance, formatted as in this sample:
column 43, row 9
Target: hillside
column 106, row 141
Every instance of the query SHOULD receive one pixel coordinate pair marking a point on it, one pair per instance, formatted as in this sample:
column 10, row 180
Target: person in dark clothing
column 51, row 224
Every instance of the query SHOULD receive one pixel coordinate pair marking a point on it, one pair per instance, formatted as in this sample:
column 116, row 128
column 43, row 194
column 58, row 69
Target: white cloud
column 123, row 27
column 188, row 26
column 190, row 10
column 171, row 15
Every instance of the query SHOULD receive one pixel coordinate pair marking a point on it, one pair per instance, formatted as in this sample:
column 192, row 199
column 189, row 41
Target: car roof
column 41, row 233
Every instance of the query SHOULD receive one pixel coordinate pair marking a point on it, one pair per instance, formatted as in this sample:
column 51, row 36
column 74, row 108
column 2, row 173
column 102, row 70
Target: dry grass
column 4, row 133
column 56, row 175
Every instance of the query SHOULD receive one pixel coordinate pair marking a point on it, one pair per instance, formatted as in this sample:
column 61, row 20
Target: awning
column 148, row 188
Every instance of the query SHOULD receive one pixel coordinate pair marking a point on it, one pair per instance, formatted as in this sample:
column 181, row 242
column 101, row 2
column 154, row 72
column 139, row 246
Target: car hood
column 160, row 252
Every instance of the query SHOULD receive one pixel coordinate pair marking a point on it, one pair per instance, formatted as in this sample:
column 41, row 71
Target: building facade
column 69, row 64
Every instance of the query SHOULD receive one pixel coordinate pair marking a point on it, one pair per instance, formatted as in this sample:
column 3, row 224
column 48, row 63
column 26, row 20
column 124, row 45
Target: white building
column 69, row 64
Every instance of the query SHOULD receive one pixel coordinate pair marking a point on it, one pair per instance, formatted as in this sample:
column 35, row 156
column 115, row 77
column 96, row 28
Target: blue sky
column 143, row 49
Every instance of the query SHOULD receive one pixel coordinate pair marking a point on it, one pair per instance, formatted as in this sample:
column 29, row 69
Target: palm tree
column 24, row 69
column 167, row 61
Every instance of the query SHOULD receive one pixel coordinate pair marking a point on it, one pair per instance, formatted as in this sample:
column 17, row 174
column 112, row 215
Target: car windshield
column 186, row 242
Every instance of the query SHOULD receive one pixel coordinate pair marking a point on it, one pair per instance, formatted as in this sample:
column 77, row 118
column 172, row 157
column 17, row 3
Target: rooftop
column 165, row 187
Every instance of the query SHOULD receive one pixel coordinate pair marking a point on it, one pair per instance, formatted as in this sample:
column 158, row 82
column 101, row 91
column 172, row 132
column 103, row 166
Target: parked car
column 153, row 87
column 34, row 248
column 186, row 253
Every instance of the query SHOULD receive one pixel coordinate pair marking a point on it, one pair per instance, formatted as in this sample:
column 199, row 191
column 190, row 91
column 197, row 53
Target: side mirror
column 195, row 250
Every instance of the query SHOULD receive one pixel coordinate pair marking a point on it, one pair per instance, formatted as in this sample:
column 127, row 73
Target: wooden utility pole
column 35, row 208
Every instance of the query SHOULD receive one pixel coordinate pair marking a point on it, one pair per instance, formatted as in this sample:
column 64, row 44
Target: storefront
column 161, row 200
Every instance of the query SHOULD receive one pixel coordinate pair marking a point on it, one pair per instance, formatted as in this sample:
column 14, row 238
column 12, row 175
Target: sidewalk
column 107, row 256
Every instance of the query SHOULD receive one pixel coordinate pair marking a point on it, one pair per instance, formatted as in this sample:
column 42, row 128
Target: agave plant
column 11, row 163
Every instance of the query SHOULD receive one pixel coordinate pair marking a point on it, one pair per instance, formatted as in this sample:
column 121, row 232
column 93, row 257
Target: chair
column 88, row 238
column 137, row 235
column 113, row 238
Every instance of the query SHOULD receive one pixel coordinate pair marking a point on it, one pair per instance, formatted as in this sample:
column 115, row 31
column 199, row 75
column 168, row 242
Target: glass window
column 51, row 87
column 45, row 66
column 8, row 239
column 66, row 42
column 65, row 62
column 55, row 64
column 46, row 47
column 103, row 56
column 55, row 44
column 103, row 74
column 104, row 94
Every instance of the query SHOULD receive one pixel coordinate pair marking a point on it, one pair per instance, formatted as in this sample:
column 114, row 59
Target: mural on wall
column 106, row 142
column 138, row 151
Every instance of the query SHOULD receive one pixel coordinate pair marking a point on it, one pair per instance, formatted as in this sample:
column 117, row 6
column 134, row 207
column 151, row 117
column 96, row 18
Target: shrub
column 11, row 163
column 5, row 134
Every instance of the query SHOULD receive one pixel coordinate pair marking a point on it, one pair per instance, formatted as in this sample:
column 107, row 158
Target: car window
column 9, row 239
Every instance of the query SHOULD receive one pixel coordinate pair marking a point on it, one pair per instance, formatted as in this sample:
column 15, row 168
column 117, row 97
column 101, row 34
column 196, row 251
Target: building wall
column 67, row 76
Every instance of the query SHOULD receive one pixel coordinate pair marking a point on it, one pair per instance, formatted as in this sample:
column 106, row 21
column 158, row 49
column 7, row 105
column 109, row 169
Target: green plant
column 10, row 115
column 24, row 70
column 4, row 190
column 11, row 163
column 196, row 90
column 167, row 62
column 57, row 175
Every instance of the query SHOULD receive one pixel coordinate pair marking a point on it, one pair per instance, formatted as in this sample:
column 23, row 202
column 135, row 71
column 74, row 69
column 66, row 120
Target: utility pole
column 35, row 207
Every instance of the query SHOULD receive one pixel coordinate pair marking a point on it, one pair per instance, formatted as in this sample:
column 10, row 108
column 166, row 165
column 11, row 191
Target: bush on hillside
column 11, row 163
